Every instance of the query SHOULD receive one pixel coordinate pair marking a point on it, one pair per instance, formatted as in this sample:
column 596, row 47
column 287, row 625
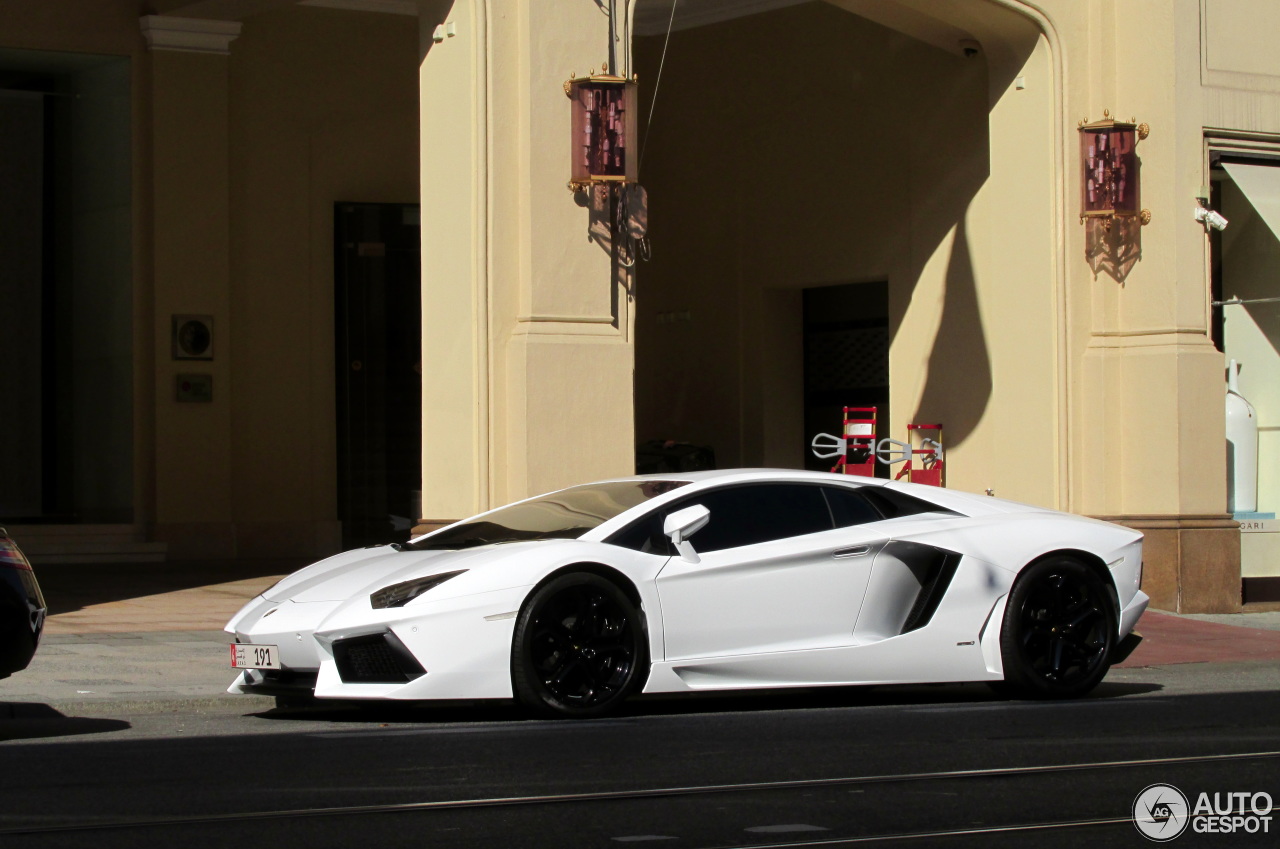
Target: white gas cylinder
column 1242, row 448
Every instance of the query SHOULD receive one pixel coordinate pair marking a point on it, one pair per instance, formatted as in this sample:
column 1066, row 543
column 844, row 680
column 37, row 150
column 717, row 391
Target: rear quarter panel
column 1012, row 540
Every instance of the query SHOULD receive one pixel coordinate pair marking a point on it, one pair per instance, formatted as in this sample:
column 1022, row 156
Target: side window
column 645, row 535
column 849, row 507
column 747, row 515
column 893, row 504
column 741, row 515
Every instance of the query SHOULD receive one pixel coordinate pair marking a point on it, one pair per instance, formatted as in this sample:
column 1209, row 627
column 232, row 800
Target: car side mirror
column 682, row 524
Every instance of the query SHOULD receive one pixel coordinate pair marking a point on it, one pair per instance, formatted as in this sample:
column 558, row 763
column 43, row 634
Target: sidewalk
column 1170, row 638
column 149, row 636
column 142, row 597
column 143, row 636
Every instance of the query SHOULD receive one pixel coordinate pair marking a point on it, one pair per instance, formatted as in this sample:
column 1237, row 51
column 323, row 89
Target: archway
column 917, row 149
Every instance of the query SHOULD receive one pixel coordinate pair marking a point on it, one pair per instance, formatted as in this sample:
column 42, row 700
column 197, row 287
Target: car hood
column 345, row 575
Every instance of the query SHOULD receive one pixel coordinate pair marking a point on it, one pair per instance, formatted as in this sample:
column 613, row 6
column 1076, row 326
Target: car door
column 775, row 573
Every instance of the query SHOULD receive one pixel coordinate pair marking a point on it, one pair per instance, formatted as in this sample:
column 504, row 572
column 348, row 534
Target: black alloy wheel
column 579, row 648
column 1059, row 630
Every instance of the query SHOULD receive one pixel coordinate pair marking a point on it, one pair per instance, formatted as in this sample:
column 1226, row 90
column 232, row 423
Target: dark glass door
column 846, row 361
column 378, row 323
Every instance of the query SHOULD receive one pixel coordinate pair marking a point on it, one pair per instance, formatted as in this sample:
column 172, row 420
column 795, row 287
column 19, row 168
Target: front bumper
column 461, row 645
column 271, row 682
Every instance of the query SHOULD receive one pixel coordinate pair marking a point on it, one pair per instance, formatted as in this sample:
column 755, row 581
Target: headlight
column 398, row 595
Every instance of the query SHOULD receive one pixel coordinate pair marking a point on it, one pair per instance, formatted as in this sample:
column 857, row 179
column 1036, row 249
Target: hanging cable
column 627, row 8
column 613, row 39
column 657, row 82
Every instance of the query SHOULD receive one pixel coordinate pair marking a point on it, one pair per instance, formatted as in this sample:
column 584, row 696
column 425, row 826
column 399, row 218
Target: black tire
column 1059, row 630
column 579, row 648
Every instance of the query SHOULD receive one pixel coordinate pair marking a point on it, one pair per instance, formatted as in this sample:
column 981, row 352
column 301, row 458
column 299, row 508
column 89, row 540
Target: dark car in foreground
column 22, row 608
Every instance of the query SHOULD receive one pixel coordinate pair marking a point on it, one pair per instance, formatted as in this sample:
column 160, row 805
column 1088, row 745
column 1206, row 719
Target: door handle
column 856, row 551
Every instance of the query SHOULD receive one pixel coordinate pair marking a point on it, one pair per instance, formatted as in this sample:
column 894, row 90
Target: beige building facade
column 849, row 202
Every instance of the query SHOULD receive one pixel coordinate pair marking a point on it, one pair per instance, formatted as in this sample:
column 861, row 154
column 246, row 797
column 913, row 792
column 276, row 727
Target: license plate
column 250, row 656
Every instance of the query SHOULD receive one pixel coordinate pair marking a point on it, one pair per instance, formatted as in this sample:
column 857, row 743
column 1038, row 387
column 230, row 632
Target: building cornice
column 191, row 35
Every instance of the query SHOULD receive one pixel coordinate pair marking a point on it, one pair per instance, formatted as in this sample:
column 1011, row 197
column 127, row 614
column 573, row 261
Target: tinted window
column 892, row 504
column 747, row 515
column 740, row 515
column 567, row 514
column 645, row 535
column 850, row 507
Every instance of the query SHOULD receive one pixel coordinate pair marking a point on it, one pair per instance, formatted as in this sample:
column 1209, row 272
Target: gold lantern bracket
column 605, row 161
column 604, row 129
column 1110, row 193
column 1110, row 180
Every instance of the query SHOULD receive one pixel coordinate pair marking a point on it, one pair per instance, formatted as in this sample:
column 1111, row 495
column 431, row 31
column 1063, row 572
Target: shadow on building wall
column 958, row 386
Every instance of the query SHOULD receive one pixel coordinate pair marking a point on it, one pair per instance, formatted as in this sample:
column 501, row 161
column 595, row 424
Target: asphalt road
column 932, row 766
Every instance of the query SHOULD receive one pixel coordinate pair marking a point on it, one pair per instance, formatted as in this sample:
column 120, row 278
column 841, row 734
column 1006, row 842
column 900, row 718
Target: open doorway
column 378, row 322
column 846, row 359
column 66, row 327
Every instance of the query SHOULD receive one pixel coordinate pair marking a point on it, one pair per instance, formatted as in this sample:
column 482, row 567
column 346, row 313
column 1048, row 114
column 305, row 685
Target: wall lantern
column 604, row 128
column 1110, row 181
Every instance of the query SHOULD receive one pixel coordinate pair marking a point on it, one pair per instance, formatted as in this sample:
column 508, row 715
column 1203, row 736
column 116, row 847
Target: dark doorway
column 846, row 360
column 378, row 323
column 66, row 286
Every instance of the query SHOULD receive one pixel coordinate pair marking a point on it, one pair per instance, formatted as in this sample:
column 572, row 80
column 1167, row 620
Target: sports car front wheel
column 1059, row 628
column 579, row 648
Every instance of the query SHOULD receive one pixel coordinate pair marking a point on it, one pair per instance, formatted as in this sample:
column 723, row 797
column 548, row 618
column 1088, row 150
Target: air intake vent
column 375, row 659
column 936, row 575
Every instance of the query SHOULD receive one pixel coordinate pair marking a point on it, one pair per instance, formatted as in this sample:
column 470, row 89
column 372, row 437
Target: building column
column 190, row 264
column 527, row 351
column 1150, row 429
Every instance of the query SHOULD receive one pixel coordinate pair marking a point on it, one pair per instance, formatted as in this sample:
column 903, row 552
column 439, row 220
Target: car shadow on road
column 32, row 720
column 818, row 698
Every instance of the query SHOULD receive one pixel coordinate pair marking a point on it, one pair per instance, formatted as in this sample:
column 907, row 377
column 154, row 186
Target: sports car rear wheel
column 579, row 647
column 1059, row 628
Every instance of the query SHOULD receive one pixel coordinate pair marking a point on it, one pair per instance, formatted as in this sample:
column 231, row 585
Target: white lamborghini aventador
column 737, row 579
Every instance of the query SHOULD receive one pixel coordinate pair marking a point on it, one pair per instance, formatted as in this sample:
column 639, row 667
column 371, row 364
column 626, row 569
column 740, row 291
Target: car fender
column 1014, row 540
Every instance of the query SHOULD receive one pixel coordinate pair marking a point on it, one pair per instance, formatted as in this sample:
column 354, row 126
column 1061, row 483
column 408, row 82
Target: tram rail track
column 243, row 817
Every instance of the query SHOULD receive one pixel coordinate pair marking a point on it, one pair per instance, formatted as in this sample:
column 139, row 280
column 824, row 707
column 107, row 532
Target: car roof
column 965, row 503
column 727, row 475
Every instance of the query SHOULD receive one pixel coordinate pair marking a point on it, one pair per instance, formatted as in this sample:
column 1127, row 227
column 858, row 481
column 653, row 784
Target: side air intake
column 375, row 659
column 908, row 582
column 936, row 576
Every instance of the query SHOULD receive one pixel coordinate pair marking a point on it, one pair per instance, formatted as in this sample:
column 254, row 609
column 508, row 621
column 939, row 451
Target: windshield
column 567, row 514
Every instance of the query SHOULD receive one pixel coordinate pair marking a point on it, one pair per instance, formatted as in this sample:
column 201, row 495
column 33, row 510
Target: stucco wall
column 323, row 109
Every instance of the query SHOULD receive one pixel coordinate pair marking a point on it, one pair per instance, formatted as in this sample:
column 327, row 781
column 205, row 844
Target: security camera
column 1211, row 218
column 969, row 47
